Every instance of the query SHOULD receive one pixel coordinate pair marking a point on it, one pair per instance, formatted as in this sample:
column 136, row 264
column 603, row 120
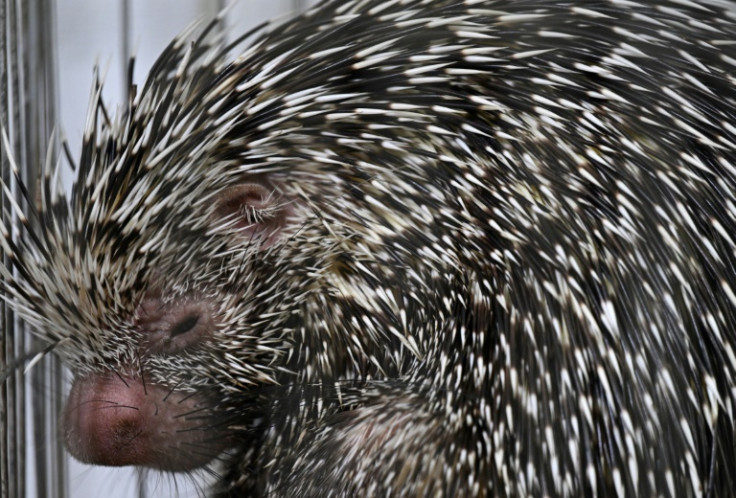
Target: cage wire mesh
column 32, row 459
column 28, row 114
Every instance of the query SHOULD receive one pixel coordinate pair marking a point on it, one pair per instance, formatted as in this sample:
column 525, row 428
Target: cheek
column 120, row 420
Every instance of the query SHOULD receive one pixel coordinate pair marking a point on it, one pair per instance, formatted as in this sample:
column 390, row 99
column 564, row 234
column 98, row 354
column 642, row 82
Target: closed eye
column 176, row 325
column 184, row 325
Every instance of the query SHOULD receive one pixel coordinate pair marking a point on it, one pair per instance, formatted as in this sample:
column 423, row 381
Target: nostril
column 124, row 431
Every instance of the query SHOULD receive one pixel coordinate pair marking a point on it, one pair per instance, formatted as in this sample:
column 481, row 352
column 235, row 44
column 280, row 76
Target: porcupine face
column 152, row 282
column 156, row 335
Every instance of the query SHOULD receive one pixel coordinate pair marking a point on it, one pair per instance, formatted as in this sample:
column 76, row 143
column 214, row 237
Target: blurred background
column 49, row 49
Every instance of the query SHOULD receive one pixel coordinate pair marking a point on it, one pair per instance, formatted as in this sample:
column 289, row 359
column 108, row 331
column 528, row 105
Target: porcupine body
column 423, row 248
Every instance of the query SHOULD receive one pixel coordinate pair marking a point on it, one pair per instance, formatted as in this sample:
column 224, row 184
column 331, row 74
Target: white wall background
column 89, row 32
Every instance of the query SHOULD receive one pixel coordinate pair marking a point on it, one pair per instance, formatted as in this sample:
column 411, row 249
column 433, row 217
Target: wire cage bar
column 28, row 112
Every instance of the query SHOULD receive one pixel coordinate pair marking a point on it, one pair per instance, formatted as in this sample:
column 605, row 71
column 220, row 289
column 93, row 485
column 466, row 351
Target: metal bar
column 30, row 404
column 13, row 395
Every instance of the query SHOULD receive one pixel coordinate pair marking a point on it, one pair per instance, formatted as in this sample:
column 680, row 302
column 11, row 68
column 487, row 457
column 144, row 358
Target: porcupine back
column 484, row 247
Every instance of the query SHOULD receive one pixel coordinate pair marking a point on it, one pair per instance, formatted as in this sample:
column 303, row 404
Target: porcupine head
column 135, row 279
column 206, row 236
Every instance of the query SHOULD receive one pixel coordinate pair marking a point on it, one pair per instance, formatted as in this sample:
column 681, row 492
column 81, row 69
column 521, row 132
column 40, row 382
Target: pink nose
column 120, row 420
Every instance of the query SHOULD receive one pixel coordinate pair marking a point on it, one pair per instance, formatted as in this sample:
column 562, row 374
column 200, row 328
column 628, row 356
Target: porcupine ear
column 255, row 208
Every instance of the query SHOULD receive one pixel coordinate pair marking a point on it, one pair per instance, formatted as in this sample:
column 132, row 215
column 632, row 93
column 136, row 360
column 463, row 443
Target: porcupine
column 444, row 247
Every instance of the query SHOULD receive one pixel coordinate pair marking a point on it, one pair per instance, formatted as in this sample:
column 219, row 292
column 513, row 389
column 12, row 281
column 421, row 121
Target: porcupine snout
column 117, row 419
